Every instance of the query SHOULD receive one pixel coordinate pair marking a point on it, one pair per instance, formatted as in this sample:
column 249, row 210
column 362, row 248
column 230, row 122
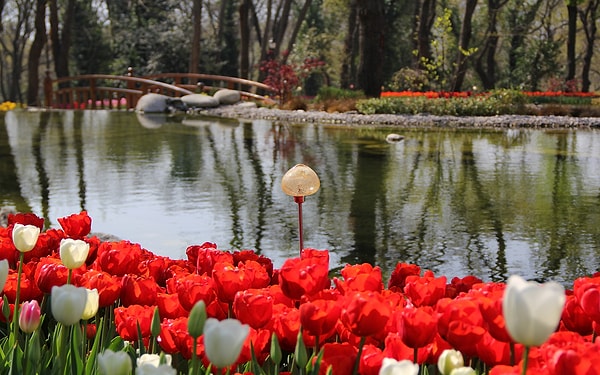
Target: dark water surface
column 485, row 202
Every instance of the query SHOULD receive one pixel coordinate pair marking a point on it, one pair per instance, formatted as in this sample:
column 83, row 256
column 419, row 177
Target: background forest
column 450, row 45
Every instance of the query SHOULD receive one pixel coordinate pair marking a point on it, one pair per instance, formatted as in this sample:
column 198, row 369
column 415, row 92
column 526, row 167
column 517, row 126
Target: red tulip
column 245, row 255
column 461, row 324
column 340, row 356
column 286, row 325
column 370, row 360
column 128, row 318
column 360, row 278
column 136, row 290
column 50, row 272
column 169, row 306
column 25, row 219
column 205, row 256
column 365, row 313
column 109, row 287
column 76, row 226
column 8, row 250
column 320, row 317
column 193, row 288
column 120, row 258
column 29, row 289
column 253, row 307
column 260, row 340
column 417, row 326
column 574, row 317
column 230, row 279
column 425, row 290
column 174, row 337
column 299, row 277
column 47, row 243
column 400, row 273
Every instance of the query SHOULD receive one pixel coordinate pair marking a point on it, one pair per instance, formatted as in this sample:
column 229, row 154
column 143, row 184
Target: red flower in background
column 205, row 256
column 286, row 325
column 400, row 273
column 299, row 277
column 575, row 319
column 8, row 250
column 48, row 243
column 425, row 290
column 587, row 292
column 76, row 226
column 260, row 340
column 29, row 289
column 137, row 290
column 370, row 360
column 365, row 313
column 461, row 285
column 246, row 255
column 360, row 278
column 25, row 219
column 128, row 318
column 253, row 307
column 108, row 286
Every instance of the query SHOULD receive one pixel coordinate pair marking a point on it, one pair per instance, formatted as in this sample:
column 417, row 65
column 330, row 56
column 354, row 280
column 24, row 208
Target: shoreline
column 248, row 112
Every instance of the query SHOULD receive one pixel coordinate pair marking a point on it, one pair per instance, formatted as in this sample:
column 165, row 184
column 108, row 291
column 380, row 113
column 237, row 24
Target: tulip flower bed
column 115, row 308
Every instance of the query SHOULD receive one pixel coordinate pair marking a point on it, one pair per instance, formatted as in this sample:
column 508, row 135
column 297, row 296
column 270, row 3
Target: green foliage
column 497, row 102
column 333, row 93
column 408, row 79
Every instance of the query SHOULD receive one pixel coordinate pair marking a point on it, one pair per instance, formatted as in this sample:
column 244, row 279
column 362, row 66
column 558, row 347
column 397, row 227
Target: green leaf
column 90, row 365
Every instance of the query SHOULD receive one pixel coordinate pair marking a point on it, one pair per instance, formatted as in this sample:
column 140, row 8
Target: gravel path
column 408, row 121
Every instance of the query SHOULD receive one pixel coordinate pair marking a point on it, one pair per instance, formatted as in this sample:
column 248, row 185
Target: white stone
column 227, row 96
column 152, row 103
column 199, row 101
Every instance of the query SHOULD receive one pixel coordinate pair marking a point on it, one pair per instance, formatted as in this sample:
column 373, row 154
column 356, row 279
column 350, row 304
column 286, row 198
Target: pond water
column 490, row 203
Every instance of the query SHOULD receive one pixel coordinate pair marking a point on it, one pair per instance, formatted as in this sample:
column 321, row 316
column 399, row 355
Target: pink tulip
column 29, row 318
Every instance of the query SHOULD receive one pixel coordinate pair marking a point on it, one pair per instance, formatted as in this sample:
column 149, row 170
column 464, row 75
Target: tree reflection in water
column 484, row 202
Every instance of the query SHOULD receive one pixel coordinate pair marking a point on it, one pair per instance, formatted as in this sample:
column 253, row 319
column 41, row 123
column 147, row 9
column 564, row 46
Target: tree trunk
column 371, row 42
column 519, row 27
column 61, row 37
column 196, row 37
column 299, row 21
column 426, row 18
column 571, row 39
column 485, row 64
column 2, row 3
column 244, row 9
column 588, row 18
column 348, row 74
column 463, row 45
column 35, row 52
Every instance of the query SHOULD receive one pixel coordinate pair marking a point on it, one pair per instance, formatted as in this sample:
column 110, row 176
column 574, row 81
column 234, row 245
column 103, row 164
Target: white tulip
column 390, row 366
column 531, row 310
column 149, row 364
column 3, row 273
column 73, row 253
column 223, row 340
column 25, row 237
column 463, row 371
column 91, row 304
column 68, row 303
column 114, row 363
column 449, row 360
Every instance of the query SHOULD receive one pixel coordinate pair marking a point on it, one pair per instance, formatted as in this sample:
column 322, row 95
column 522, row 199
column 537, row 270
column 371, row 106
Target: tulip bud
column 197, row 319
column 25, row 237
column 275, row 351
column 154, row 364
column 73, row 253
column 114, row 363
column 91, row 304
column 531, row 310
column 449, row 360
column 390, row 366
column 223, row 340
column 29, row 317
column 155, row 324
column 154, row 360
column 68, row 303
column 3, row 273
column 300, row 352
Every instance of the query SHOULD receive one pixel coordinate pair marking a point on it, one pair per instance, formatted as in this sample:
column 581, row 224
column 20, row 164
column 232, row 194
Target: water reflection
column 488, row 203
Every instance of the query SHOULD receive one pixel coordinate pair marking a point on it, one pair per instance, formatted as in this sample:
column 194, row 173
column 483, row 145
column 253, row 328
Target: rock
column 199, row 101
column 152, row 103
column 227, row 96
column 393, row 138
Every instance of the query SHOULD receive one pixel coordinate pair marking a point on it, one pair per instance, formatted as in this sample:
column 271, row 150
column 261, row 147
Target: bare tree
column 60, row 35
column 463, row 45
column 196, row 36
column 35, row 53
column 485, row 62
column 371, row 45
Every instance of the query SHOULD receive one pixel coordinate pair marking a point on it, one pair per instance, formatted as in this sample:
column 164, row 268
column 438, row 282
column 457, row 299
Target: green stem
column 525, row 360
column 194, row 357
column 69, row 276
column 363, row 339
column 415, row 355
column 512, row 353
column 15, row 320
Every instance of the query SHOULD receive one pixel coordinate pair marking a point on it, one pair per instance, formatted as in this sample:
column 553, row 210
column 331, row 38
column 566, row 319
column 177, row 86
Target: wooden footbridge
column 101, row 91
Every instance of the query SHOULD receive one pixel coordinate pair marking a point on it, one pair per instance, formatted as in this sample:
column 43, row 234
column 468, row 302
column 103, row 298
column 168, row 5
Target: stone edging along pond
column 250, row 112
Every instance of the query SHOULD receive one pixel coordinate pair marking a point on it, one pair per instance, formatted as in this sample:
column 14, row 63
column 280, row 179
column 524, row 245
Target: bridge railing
column 101, row 91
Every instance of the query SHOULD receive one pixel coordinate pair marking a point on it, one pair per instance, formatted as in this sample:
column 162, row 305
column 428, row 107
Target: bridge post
column 130, row 86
